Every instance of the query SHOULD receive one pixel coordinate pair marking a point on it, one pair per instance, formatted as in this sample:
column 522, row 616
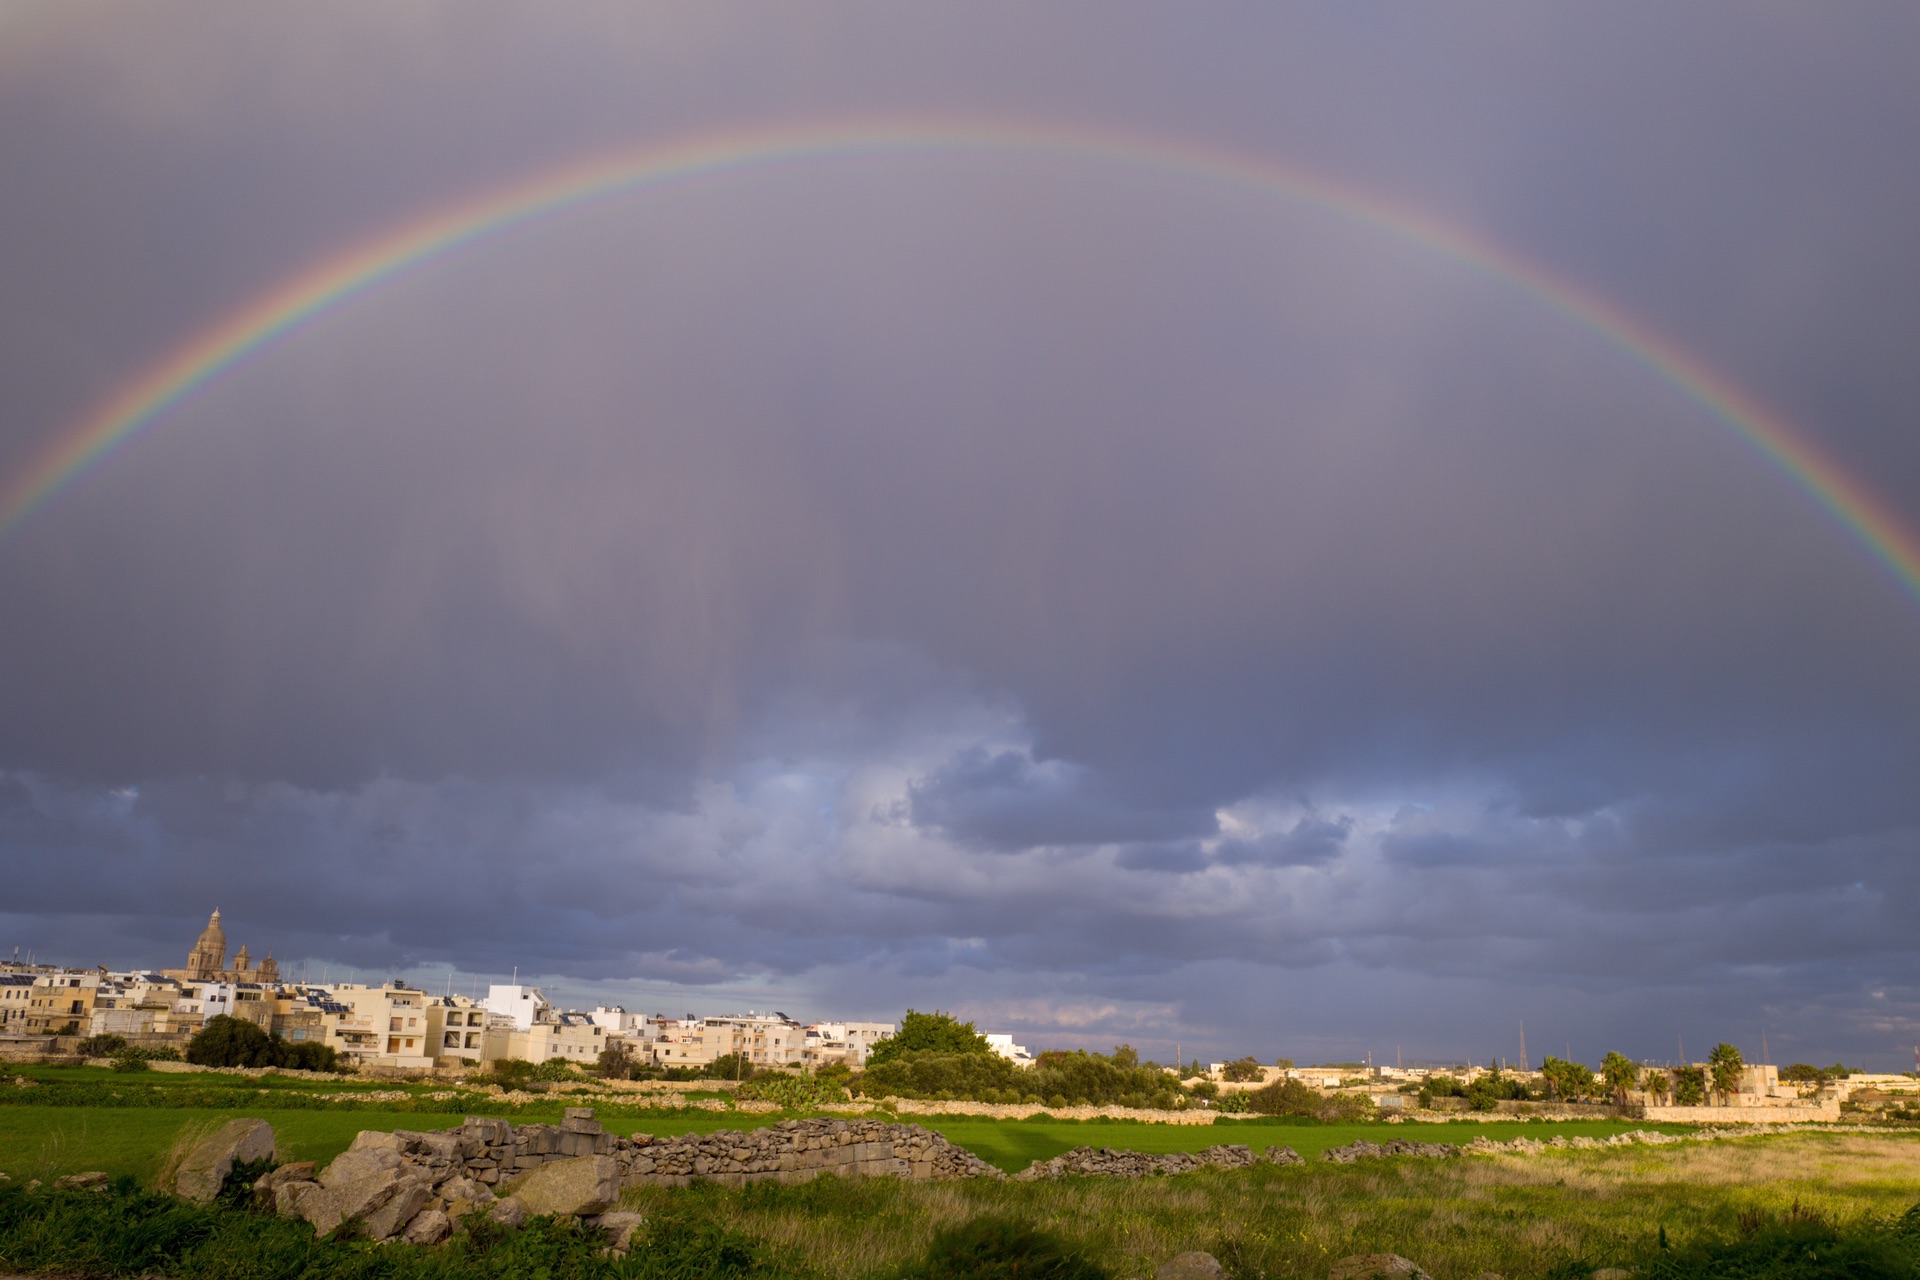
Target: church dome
column 213, row 938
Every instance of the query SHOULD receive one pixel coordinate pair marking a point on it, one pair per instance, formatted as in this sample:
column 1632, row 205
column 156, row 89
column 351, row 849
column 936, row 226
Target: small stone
column 509, row 1212
column 204, row 1169
column 1612, row 1273
column 1376, row 1266
column 431, row 1226
column 1193, row 1265
column 619, row 1229
column 91, row 1181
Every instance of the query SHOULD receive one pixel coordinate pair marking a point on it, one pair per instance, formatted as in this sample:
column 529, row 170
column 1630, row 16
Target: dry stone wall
column 1104, row 1162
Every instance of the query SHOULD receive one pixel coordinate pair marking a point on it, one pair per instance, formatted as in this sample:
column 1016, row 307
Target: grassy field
column 44, row 1142
column 1519, row 1216
column 1515, row 1215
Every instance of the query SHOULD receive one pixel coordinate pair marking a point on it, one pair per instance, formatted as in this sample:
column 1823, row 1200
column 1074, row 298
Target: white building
column 1006, row 1048
column 524, row 1005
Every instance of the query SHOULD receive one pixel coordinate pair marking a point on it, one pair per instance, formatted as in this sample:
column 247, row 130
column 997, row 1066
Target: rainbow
column 189, row 368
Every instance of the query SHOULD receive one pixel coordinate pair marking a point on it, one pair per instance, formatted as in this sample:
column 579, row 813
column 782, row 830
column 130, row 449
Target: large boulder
column 372, row 1185
column 202, row 1171
column 580, row 1186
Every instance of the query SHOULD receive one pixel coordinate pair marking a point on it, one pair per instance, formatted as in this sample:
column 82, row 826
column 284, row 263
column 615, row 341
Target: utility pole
column 1523, row 1046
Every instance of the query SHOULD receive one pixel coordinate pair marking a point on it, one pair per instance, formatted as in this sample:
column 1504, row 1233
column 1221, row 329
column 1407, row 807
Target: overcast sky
column 1110, row 604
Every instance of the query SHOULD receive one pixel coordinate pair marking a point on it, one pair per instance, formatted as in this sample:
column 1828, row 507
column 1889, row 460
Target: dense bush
column 126, row 1232
column 555, row 1071
column 1286, row 1097
column 100, row 1046
column 1690, row 1086
column 235, row 1042
column 129, row 1060
column 1798, row 1245
column 975, row 1076
column 508, row 1073
column 1807, row 1073
column 793, row 1093
column 1093, row 1079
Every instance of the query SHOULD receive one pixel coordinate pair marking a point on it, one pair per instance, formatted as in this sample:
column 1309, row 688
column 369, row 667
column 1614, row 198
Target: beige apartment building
column 60, row 1003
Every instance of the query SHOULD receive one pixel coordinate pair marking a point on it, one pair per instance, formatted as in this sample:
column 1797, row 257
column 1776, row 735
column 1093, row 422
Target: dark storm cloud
column 1007, row 800
column 1112, row 603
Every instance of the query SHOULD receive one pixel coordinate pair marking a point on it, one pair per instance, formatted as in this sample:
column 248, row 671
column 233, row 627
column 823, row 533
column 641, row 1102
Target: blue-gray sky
column 1108, row 604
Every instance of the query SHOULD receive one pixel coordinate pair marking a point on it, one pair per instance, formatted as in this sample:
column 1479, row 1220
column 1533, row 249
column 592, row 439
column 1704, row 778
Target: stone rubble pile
column 1364, row 1150
column 796, row 1150
column 1534, row 1146
column 1104, row 1162
column 418, row 1186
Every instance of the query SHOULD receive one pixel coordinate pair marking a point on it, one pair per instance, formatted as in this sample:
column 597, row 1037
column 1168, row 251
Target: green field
column 44, row 1142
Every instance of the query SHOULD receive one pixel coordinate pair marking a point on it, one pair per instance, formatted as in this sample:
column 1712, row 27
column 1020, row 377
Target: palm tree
column 1621, row 1073
column 1725, row 1064
column 1658, row 1085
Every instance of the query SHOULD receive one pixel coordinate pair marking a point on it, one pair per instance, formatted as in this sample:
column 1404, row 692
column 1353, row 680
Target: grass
column 1519, row 1216
column 1799, row 1204
column 1014, row 1144
column 44, row 1142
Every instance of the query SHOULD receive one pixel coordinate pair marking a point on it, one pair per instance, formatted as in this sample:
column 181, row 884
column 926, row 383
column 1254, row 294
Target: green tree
column 232, row 1042
column 1803, row 1073
column 1658, row 1085
column 1689, row 1086
column 1725, row 1064
column 1621, row 1073
column 1242, row 1070
column 615, row 1061
column 729, row 1066
column 934, row 1032
column 1124, row 1056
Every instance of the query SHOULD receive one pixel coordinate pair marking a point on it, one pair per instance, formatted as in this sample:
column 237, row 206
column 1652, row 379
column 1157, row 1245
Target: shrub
column 729, row 1066
column 100, row 1046
column 508, row 1073
column 130, row 1060
column 235, row 1042
column 1235, row 1104
column 1242, row 1070
column 793, row 1093
column 1293, row 1098
column 554, row 1071
column 1494, row 1087
column 922, row 1075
